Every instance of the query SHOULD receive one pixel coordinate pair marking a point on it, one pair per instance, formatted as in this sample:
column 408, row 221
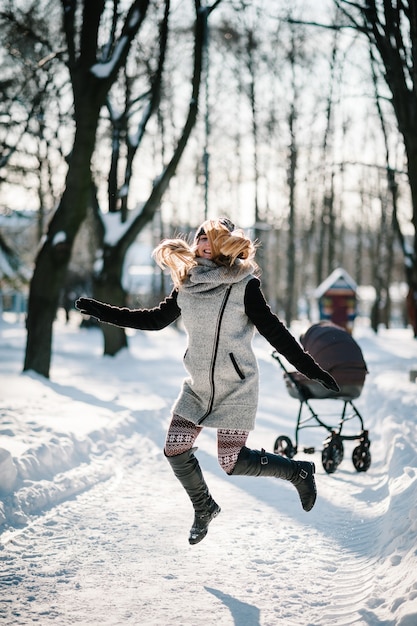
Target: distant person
column 218, row 295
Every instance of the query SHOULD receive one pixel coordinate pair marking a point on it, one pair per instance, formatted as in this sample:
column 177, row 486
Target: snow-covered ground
column 352, row 560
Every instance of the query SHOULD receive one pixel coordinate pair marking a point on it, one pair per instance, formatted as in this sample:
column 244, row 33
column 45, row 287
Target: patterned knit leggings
column 182, row 434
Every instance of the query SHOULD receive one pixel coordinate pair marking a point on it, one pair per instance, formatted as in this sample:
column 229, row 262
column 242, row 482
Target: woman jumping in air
column 219, row 297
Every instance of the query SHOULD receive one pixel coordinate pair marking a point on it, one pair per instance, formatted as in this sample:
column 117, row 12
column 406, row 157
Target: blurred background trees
column 124, row 122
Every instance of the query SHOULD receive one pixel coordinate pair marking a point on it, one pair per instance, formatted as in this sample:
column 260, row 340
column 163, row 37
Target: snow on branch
column 104, row 70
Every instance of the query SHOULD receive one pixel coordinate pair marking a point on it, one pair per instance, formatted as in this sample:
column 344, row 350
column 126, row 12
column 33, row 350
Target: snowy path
column 117, row 554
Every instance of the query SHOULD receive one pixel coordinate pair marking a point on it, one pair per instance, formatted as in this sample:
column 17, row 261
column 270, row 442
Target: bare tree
column 98, row 43
column 91, row 82
column 108, row 283
column 290, row 300
column 391, row 28
column 383, row 258
column 31, row 106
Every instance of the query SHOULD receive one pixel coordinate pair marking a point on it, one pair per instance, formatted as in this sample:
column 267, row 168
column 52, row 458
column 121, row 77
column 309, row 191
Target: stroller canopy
column 336, row 351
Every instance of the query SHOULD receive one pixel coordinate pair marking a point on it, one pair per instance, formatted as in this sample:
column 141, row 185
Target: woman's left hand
column 328, row 381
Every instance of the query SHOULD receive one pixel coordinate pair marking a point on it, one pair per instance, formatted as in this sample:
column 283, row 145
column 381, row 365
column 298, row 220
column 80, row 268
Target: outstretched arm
column 143, row 319
column 274, row 331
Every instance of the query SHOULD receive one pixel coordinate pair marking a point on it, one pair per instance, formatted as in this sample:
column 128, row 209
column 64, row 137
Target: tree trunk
column 54, row 255
column 291, row 252
column 108, row 287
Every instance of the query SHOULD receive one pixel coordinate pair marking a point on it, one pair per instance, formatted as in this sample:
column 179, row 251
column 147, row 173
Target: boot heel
column 200, row 527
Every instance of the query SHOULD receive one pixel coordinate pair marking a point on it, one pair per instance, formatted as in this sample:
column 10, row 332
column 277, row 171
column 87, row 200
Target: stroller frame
column 333, row 449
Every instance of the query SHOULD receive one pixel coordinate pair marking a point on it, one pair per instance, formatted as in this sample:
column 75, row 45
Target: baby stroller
column 336, row 351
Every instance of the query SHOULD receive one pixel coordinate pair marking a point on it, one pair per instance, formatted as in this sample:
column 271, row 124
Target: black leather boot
column 299, row 473
column 188, row 471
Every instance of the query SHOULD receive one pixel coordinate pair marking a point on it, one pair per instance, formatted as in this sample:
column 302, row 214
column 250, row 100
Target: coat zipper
column 214, row 354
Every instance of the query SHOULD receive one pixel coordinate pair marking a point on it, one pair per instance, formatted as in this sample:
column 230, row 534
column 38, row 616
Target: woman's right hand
column 91, row 307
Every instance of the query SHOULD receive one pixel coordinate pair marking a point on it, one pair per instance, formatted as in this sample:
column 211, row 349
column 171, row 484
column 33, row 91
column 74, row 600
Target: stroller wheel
column 283, row 446
column 332, row 454
column 361, row 458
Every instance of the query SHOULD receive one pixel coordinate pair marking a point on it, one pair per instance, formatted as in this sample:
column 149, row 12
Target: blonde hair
column 178, row 256
column 227, row 248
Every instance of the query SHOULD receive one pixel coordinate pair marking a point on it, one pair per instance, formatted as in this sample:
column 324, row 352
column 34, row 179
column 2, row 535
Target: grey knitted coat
column 221, row 390
column 220, row 308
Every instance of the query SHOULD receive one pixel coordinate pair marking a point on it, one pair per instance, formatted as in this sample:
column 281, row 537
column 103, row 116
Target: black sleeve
column 274, row 331
column 143, row 319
